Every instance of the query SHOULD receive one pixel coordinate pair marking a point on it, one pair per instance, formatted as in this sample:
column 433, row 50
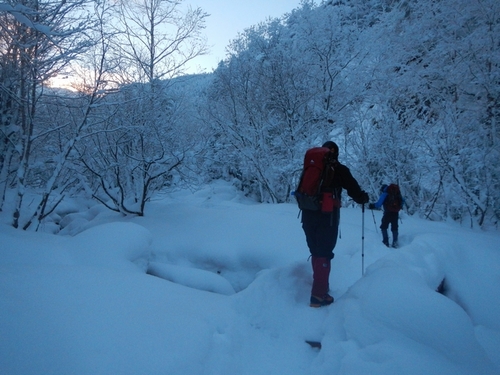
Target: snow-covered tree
column 38, row 39
column 409, row 90
column 139, row 148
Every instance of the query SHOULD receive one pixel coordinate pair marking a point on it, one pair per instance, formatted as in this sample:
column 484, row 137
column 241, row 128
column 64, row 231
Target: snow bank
column 231, row 291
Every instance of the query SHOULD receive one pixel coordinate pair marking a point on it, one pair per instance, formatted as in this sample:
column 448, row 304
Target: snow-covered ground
column 213, row 283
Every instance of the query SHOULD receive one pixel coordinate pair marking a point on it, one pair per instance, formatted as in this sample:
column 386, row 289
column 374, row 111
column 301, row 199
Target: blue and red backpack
column 394, row 200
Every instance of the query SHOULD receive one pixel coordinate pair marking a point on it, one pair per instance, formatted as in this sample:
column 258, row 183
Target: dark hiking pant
column 321, row 232
column 392, row 219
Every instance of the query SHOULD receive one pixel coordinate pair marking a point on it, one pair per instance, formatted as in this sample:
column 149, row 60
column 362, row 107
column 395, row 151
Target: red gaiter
column 321, row 273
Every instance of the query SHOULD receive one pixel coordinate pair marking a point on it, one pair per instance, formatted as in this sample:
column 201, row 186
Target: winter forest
column 410, row 90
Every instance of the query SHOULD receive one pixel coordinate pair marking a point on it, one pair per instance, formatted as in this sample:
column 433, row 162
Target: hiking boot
column 386, row 243
column 395, row 245
column 321, row 301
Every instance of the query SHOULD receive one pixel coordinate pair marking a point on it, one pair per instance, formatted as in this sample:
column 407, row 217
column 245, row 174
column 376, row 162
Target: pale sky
column 228, row 18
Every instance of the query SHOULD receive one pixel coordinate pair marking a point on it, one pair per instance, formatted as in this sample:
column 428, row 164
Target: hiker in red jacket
column 321, row 229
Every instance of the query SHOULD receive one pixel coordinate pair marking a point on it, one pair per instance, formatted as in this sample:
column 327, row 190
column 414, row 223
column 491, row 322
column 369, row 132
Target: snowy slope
column 212, row 283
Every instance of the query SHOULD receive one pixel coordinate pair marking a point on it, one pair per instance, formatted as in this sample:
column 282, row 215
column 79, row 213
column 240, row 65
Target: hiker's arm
column 381, row 200
column 353, row 189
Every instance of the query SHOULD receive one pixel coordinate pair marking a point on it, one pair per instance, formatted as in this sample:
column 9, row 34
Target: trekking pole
column 363, row 240
column 374, row 222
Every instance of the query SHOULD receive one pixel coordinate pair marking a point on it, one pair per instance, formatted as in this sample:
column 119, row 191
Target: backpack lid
column 393, row 189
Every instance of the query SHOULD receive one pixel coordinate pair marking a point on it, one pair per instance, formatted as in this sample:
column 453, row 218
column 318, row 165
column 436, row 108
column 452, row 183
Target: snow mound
column 191, row 277
column 113, row 245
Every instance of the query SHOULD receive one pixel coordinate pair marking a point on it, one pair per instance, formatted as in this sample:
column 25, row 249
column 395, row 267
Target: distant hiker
column 392, row 201
column 319, row 196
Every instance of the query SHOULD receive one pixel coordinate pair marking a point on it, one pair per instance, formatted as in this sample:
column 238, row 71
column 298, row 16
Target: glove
column 363, row 198
column 371, row 206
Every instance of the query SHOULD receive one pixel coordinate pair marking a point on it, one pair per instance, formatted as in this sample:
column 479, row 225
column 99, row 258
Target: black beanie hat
column 333, row 147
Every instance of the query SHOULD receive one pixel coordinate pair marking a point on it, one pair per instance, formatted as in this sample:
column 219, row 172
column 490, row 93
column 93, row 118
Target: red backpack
column 317, row 162
column 394, row 201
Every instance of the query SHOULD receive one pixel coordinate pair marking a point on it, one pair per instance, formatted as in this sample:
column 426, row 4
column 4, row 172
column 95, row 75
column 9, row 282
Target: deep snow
column 213, row 283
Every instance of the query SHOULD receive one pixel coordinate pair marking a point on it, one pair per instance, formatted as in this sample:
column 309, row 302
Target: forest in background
column 410, row 90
